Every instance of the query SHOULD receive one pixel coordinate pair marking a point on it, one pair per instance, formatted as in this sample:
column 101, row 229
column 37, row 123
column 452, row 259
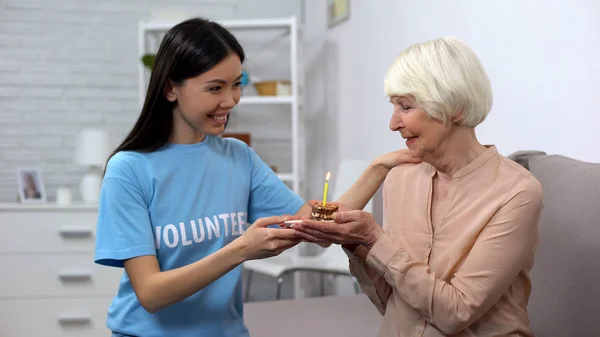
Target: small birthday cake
column 322, row 212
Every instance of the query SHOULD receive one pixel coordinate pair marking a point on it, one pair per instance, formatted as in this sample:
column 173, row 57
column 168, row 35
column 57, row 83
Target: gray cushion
column 565, row 299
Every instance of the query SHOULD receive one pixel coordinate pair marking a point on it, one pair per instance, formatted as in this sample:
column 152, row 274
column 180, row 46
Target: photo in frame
column 31, row 186
column 338, row 11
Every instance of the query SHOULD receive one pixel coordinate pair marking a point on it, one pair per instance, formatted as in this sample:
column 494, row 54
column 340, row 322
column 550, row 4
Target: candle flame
column 327, row 177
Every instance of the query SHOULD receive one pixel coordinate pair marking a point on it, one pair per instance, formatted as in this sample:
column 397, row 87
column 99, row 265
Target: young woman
column 181, row 208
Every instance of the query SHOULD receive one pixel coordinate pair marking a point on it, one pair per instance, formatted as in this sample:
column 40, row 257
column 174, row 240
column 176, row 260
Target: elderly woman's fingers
column 312, row 232
column 320, row 226
column 348, row 216
column 312, row 236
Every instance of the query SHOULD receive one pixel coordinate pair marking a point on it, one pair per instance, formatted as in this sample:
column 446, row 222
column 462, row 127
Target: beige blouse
column 469, row 274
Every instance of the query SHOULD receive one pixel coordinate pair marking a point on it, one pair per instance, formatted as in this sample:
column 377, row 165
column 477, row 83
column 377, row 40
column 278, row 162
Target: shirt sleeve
column 371, row 283
column 123, row 230
column 269, row 196
column 503, row 248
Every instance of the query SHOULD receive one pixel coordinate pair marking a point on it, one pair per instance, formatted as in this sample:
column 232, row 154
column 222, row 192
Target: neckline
column 491, row 151
column 179, row 147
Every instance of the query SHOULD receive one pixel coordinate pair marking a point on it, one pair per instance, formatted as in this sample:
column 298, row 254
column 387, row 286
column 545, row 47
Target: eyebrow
column 401, row 99
column 218, row 80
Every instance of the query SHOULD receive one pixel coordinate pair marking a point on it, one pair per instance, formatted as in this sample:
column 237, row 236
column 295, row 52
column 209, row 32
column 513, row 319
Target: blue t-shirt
column 183, row 203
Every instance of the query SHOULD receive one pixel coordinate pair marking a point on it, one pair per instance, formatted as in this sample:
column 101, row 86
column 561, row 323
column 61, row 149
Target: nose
column 228, row 101
column 396, row 122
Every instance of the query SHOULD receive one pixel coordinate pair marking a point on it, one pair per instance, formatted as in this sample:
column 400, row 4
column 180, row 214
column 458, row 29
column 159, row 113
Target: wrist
column 239, row 250
column 376, row 233
column 378, row 167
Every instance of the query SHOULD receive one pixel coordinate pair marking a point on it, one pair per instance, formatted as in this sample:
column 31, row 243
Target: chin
column 416, row 153
column 214, row 132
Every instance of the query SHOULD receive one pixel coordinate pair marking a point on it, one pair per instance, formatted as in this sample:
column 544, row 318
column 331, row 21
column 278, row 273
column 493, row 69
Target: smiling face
column 424, row 135
column 205, row 101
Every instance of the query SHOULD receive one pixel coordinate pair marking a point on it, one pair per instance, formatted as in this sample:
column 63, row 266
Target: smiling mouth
column 219, row 118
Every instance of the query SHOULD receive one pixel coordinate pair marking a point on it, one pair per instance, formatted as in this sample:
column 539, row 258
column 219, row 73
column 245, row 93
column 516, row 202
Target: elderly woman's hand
column 395, row 158
column 348, row 228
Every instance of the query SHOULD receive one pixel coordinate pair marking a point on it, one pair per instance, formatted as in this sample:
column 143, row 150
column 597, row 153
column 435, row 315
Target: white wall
column 320, row 110
column 70, row 64
column 542, row 58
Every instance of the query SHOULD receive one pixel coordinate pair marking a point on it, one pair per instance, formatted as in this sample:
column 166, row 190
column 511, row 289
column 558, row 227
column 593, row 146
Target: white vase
column 89, row 187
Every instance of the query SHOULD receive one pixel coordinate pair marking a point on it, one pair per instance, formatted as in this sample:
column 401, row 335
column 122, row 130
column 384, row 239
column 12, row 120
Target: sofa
column 565, row 299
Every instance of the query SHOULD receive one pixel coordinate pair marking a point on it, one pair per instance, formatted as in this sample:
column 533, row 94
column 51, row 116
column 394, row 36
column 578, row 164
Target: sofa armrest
column 523, row 157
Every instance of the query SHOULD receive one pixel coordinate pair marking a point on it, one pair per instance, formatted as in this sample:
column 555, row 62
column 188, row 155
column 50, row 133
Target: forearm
column 161, row 289
column 441, row 303
column 449, row 305
column 359, row 194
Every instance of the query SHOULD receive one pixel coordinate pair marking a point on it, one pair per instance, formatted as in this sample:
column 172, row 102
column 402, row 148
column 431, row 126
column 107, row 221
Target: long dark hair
column 187, row 50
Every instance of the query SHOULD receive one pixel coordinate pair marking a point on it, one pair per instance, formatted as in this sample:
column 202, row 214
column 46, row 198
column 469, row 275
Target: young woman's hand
column 259, row 242
column 395, row 158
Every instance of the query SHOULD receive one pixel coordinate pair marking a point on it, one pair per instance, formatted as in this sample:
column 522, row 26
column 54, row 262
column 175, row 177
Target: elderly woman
column 460, row 228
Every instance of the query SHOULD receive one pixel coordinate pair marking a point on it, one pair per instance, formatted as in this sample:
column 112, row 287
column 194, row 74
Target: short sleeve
column 123, row 230
column 269, row 196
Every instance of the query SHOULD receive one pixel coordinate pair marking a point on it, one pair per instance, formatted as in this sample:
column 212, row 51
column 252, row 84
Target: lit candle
column 325, row 188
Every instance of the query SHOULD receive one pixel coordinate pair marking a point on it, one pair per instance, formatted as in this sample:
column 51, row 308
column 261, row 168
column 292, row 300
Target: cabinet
column 50, row 285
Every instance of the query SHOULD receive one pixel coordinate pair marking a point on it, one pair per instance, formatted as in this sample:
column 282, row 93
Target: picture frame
column 31, row 186
column 338, row 11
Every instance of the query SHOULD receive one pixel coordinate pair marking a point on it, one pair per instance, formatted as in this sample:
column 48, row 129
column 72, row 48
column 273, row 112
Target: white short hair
column 445, row 77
